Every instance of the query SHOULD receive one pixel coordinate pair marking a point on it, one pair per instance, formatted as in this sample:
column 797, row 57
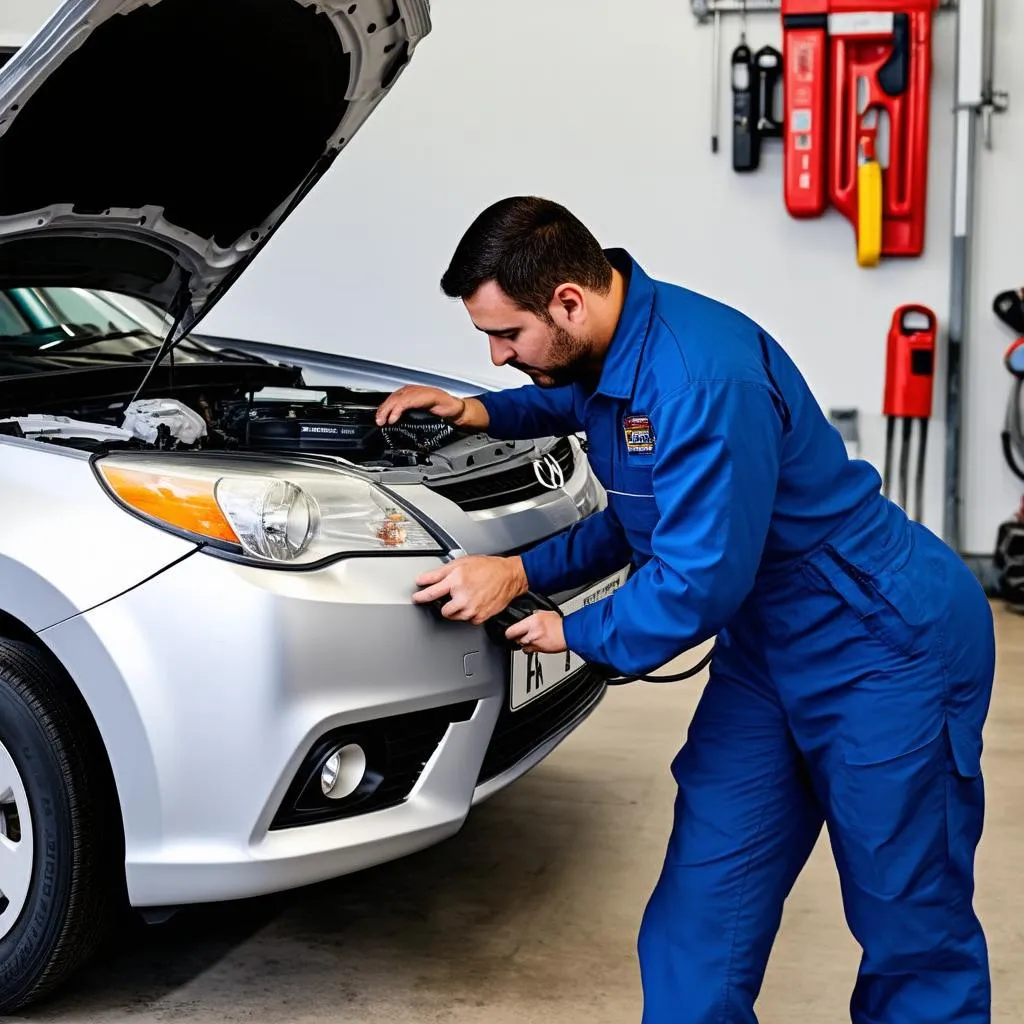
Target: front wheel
column 61, row 853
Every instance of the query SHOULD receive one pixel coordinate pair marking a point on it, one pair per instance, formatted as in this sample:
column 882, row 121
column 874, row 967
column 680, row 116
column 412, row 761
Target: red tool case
column 851, row 65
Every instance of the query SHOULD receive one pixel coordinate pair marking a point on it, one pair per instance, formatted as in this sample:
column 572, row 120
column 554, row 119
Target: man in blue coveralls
column 855, row 652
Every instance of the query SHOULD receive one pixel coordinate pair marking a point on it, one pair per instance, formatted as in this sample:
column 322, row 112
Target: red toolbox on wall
column 858, row 77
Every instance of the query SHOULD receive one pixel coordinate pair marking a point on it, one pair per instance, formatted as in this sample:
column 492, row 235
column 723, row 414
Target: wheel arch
column 15, row 629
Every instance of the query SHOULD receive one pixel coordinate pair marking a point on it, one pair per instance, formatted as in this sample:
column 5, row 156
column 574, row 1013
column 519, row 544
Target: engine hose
column 530, row 603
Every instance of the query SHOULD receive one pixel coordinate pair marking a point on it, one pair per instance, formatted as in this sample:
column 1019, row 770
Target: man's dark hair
column 529, row 247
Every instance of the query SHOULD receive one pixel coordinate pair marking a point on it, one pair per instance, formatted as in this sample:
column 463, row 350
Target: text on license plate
column 536, row 674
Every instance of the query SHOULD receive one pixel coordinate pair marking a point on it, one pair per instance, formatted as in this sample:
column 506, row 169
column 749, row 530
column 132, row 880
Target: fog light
column 343, row 772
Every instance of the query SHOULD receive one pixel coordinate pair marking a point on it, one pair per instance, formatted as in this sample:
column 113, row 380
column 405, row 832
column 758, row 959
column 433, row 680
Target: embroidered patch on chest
column 639, row 435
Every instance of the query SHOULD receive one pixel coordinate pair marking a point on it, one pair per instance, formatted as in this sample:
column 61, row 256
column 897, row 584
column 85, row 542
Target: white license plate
column 533, row 675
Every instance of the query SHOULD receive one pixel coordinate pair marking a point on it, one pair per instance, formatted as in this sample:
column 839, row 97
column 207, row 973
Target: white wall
column 605, row 107
column 20, row 18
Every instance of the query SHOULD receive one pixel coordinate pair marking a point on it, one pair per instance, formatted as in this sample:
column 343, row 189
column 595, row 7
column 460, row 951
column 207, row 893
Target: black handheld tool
column 770, row 117
column 521, row 608
column 745, row 149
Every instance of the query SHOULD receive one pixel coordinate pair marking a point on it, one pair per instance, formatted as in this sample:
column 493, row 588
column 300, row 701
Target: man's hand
column 480, row 586
column 463, row 412
column 541, row 633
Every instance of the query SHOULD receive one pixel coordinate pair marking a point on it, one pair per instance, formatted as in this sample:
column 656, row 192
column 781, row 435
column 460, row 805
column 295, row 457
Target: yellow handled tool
column 869, row 197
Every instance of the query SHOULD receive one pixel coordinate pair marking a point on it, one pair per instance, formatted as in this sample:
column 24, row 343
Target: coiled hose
column 1013, row 426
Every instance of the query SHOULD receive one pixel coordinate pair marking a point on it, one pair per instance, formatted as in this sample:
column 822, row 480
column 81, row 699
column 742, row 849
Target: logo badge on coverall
column 639, row 435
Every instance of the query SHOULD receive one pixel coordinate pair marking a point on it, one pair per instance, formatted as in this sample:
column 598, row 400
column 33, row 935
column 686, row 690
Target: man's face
column 552, row 353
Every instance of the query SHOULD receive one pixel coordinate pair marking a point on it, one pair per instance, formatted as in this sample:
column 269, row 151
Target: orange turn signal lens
column 185, row 502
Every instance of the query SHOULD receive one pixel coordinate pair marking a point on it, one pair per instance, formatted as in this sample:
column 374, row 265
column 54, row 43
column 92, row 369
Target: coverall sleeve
column 590, row 549
column 521, row 414
column 715, row 477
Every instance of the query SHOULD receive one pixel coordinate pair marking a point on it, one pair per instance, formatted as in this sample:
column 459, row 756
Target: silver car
column 213, row 681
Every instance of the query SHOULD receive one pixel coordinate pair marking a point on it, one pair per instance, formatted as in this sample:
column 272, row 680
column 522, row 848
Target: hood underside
column 152, row 148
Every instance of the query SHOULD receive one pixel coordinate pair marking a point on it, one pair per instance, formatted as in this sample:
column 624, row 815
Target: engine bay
column 329, row 421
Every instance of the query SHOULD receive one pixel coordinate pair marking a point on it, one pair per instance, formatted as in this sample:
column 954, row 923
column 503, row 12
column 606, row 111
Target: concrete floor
column 530, row 913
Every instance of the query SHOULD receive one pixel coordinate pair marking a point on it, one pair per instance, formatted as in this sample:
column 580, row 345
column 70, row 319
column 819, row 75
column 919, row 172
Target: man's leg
column 746, row 821
column 899, row 698
column 904, row 836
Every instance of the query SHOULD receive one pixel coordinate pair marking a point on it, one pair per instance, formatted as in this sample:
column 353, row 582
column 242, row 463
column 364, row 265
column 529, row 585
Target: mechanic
column 855, row 651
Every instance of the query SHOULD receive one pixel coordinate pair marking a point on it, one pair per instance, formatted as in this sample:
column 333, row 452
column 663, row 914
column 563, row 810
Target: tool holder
column 704, row 10
column 712, row 11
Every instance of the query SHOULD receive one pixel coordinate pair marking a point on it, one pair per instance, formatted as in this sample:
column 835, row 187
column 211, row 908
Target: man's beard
column 570, row 361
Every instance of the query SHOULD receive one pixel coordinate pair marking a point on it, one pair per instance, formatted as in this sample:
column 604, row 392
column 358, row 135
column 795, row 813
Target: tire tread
column 93, row 898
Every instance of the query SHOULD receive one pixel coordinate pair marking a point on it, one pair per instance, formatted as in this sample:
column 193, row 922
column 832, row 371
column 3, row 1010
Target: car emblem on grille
column 549, row 473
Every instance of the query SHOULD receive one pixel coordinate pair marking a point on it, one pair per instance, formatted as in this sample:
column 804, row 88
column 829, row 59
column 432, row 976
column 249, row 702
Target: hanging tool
column 869, row 192
column 1013, row 427
column 909, row 386
column 744, row 102
column 770, row 118
column 756, row 81
column 715, row 72
column 880, row 92
column 1009, row 307
column 805, row 87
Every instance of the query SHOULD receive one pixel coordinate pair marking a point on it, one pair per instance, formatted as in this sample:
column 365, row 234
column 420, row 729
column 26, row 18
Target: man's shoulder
column 696, row 337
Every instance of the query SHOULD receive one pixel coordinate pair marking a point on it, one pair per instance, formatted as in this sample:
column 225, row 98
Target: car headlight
column 279, row 514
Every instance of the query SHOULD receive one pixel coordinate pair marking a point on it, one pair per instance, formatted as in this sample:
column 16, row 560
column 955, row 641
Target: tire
column 61, row 849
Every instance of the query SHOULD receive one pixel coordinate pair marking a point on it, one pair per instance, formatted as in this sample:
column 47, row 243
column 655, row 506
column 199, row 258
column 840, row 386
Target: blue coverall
column 851, row 680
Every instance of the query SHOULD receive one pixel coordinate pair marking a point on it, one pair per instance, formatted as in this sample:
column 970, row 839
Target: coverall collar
column 618, row 375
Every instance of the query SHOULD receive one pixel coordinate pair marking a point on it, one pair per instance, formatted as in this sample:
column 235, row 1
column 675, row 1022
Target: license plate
column 533, row 675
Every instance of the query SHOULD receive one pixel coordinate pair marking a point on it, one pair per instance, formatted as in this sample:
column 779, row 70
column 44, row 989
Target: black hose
column 919, row 478
column 890, row 434
column 675, row 677
column 908, row 424
column 1013, row 429
column 1008, row 453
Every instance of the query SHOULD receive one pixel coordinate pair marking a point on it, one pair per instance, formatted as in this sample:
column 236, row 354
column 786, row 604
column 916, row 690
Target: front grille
column 519, row 733
column 491, row 490
column 397, row 750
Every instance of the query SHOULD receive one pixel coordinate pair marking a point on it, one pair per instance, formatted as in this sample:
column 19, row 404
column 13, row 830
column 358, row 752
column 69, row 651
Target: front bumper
column 212, row 682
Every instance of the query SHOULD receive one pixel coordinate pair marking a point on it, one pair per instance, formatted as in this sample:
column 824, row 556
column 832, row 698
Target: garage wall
column 605, row 107
column 19, row 18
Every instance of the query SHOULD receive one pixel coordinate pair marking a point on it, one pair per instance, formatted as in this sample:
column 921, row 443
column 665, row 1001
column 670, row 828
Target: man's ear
column 568, row 305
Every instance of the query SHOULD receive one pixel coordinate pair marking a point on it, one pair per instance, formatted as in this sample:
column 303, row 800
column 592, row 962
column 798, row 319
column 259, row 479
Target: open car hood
column 151, row 147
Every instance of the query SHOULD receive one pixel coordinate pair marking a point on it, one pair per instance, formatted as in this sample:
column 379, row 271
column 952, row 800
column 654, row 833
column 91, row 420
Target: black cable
column 919, row 480
column 1013, row 429
column 905, row 459
column 1008, row 453
column 888, row 472
column 675, row 677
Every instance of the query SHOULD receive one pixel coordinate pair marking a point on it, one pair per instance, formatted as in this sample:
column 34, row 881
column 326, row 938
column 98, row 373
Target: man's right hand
column 464, row 413
column 479, row 586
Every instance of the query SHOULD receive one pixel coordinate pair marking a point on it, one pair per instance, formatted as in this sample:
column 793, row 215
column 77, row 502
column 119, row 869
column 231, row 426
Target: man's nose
column 501, row 352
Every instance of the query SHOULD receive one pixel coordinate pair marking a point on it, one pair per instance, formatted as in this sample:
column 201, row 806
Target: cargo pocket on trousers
column 966, row 797
column 864, row 596
column 890, row 818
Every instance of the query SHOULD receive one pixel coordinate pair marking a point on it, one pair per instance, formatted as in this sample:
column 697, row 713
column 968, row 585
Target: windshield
column 39, row 318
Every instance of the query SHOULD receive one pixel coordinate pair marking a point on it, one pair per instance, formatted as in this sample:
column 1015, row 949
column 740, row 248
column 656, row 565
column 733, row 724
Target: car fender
column 66, row 546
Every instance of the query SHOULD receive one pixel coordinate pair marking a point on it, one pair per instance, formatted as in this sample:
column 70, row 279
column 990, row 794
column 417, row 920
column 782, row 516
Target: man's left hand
column 541, row 633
